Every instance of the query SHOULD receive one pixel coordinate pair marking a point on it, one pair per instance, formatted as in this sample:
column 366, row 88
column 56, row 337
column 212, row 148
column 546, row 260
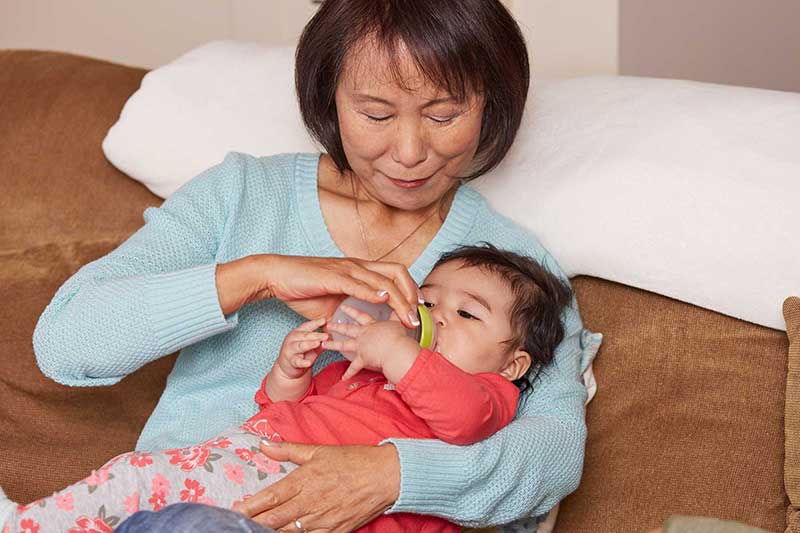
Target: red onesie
column 434, row 400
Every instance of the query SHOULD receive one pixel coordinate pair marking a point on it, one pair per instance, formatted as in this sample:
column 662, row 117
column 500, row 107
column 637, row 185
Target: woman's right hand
column 315, row 286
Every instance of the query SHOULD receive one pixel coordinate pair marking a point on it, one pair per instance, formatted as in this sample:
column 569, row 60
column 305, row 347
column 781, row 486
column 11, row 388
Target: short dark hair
column 539, row 299
column 462, row 46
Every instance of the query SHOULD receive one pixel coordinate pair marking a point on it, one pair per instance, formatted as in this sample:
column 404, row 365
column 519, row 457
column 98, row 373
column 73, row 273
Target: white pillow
column 223, row 96
column 680, row 188
column 686, row 189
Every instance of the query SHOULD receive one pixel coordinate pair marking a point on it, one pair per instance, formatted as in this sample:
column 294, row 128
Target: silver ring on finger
column 299, row 526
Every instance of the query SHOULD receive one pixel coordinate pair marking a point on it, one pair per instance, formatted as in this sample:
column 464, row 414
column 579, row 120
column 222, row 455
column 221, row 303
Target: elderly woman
column 410, row 99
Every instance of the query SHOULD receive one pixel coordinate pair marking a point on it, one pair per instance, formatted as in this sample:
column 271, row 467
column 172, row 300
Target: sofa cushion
column 55, row 109
column 689, row 418
column 62, row 206
column 791, row 475
column 54, row 435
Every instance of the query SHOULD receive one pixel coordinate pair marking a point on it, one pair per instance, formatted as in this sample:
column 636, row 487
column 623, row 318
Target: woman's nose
column 410, row 147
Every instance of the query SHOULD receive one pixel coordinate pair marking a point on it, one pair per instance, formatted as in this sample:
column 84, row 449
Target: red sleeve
column 320, row 383
column 460, row 408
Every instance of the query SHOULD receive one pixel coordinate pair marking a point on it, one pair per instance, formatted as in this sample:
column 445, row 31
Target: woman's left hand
column 335, row 488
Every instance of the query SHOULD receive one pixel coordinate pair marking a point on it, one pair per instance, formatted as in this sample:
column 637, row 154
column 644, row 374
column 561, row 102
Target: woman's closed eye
column 377, row 118
column 436, row 120
column 443, row 120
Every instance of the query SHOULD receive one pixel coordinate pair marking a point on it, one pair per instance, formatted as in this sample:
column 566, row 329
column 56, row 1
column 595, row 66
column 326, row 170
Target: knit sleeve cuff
column 184, row 307
column 430, row 482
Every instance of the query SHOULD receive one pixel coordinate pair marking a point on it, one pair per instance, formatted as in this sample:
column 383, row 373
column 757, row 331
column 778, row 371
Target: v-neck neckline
column 453, row 232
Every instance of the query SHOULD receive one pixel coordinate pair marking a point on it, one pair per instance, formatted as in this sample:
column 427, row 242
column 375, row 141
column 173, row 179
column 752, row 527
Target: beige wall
column 753, row 43
column 570, row 37
column 566, row 37
column 146, row 33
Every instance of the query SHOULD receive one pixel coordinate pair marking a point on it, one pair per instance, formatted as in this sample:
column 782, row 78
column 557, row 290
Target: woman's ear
column 518, row 363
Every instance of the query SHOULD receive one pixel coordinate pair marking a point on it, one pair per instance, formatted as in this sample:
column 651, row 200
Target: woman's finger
column 282, row 518
column 277, row 506
column 352, row 286
column 343, row 487
column 265, row 500
column 403, row 306
column 399, row 274
column 357, row 314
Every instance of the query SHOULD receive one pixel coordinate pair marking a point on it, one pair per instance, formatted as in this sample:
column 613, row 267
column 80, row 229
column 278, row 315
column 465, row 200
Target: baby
column 498, row 323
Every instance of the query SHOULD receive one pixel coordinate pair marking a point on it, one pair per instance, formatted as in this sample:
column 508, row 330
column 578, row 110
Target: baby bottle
column 424, row 334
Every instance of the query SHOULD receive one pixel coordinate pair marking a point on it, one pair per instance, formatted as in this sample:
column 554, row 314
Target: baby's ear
column 518, row 363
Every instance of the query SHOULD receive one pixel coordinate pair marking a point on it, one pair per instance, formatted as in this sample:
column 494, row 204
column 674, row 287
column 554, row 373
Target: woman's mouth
column 409, row 184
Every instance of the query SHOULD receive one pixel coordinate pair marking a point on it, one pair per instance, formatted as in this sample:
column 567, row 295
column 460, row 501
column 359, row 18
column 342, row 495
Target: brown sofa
column 689, row 417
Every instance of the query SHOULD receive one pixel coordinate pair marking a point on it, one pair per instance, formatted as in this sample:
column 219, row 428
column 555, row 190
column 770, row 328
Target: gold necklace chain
column 364, row 233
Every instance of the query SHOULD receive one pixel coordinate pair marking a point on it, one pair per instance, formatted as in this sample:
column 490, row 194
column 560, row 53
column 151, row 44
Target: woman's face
column 407, row 146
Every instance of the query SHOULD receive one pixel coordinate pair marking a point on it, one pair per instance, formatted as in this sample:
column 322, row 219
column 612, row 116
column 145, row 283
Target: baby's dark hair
column 539, row 299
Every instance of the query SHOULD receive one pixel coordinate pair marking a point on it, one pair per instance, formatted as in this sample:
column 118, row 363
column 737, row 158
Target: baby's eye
column 428, row 304
column 464, row 314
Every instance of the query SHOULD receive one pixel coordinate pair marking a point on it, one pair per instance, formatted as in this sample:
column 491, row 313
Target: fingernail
column 265, row 442
column 420, row 297
column 412, row 317
column 383, row 293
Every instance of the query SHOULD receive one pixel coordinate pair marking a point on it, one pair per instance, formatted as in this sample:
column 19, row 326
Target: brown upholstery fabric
column 688, row 417
column 62, row 205
column 55, row 110
column 791, row 474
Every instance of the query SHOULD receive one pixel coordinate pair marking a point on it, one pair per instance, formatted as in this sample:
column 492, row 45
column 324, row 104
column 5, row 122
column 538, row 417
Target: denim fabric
column 190, row 518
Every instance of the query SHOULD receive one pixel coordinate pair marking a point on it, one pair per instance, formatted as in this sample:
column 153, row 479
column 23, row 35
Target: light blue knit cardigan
column 156, row 294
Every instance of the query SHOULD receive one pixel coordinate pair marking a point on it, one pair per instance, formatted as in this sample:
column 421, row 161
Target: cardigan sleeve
column 151, row 296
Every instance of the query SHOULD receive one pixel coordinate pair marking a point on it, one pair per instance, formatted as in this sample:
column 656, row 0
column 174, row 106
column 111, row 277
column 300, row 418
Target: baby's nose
column 437, row 317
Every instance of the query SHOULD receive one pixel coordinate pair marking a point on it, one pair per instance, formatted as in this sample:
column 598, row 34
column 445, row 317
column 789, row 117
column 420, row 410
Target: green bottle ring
column 425, row 327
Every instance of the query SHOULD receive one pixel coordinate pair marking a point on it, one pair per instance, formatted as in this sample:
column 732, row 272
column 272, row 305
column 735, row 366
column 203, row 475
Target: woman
column 409, row 99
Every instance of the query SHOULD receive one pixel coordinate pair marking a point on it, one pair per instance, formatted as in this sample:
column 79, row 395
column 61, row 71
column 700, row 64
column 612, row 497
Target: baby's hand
column 370, row 343
column 300, row 349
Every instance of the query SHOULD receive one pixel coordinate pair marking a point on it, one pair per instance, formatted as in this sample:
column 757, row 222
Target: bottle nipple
column 425, row 333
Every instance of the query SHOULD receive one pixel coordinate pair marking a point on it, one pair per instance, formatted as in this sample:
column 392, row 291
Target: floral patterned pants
column 220, row 471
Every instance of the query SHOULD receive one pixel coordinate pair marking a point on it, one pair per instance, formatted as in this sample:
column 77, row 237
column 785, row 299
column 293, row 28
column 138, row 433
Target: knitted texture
column 156, row 294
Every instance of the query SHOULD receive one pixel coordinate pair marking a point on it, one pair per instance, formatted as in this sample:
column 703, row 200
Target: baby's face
column 471, row 308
